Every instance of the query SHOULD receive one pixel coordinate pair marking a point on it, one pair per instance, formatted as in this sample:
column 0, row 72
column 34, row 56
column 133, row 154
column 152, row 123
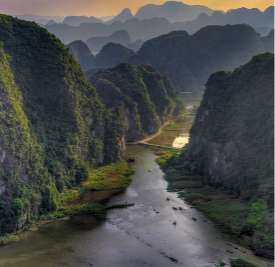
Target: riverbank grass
column 93, row 193
column 243, row 220
column 8, row 238
column 89, row 198
column 165, row 154
column 111, row 177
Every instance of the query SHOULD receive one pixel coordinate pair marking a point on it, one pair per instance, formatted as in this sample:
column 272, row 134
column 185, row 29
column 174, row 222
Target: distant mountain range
column 96, row 43
column 173, row 11
column 42, row 20
column 153, row 20
column 188, row 60
column 124, row 15
column 77, row 20
column 144, row 26
column 261, row 21
column 137, row 29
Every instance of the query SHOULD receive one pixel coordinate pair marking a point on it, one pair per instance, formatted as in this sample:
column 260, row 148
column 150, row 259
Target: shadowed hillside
column 188, row 60
column 231, row 148
column 82, row 54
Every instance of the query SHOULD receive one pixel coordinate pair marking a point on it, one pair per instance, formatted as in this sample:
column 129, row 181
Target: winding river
column 154, row 232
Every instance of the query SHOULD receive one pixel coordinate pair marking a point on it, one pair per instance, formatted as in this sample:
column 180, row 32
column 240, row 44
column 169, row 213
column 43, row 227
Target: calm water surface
column 151, row 233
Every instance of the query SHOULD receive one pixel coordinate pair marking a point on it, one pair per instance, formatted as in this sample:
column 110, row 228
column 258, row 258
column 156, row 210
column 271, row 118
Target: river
column 150, row 233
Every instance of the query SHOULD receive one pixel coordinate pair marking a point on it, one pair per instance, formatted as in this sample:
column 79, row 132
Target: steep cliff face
column 141, row 96
column 52, row 124
column 188, row 60
column 232, row 137
column 232, row 146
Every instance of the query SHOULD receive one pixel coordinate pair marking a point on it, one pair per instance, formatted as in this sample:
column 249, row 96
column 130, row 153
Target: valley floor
column 160, row 229
column 154, row 223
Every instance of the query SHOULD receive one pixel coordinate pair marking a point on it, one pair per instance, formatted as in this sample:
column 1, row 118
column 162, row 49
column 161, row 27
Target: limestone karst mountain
column 124, row 15
column 261, row 21
column 139, row 94
column 232, row 149
column 153, row 20
column 113, row 54
column 173, row 11
column 54, row 127
column 188, row 60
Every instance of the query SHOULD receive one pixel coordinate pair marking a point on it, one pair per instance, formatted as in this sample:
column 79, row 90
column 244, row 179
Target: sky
column 108, row 7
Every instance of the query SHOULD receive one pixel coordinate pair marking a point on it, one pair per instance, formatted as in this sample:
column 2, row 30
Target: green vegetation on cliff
column 139, row 95
column 21, row 156
column 53, row 126
column 227, row 168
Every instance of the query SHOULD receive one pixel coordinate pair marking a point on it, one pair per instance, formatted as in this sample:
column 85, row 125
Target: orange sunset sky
column 108, row 7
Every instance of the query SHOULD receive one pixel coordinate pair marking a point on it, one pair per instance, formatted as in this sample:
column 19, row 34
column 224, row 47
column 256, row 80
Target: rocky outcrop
column 139, row 95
